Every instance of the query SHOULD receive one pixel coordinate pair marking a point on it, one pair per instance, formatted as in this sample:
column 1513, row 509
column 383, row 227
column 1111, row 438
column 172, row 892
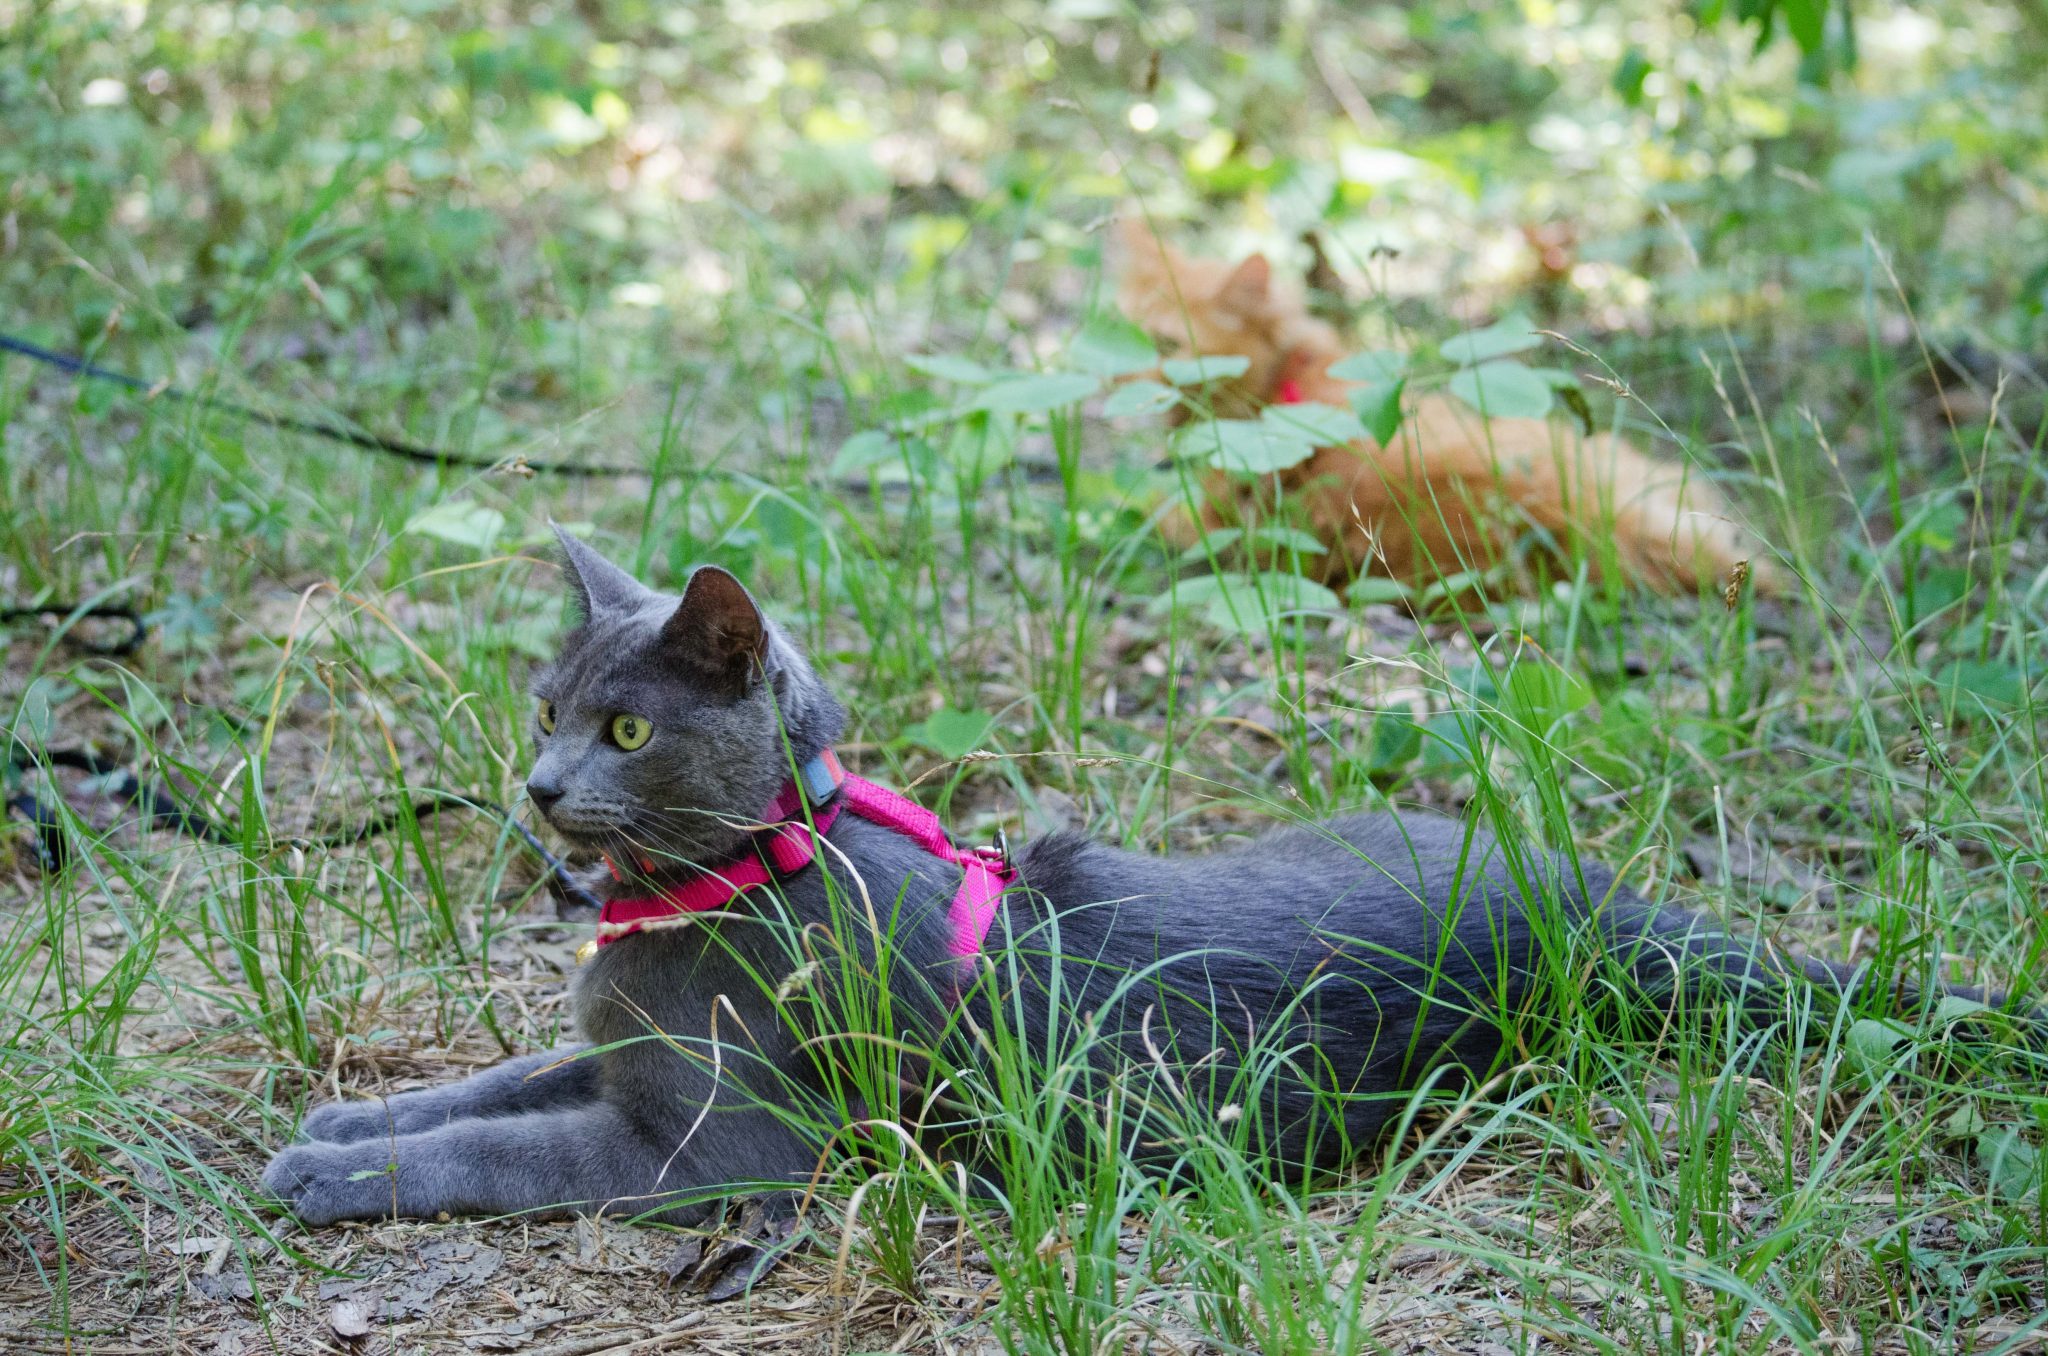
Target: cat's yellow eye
column 547, row 717
column 630, row 732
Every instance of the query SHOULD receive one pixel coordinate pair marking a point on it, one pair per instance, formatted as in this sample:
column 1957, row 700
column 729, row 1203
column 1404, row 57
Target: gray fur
column 1372, row 950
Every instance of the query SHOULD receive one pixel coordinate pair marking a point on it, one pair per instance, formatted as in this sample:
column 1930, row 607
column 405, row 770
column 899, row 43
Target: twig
column 610, row 1345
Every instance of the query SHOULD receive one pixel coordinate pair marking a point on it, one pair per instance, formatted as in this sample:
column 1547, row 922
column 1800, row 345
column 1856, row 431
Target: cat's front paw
column 347, row 1122
column 328, row 1183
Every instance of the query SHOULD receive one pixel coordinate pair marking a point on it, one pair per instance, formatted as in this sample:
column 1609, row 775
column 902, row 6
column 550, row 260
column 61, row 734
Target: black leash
column 113, row 649
column 315, row 428
column 162, row 810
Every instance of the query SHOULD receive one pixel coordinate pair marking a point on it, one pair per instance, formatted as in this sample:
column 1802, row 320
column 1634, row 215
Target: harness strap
column 787, row 843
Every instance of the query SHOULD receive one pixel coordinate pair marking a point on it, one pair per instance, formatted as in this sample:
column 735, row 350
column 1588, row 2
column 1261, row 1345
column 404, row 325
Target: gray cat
column 1297, row 988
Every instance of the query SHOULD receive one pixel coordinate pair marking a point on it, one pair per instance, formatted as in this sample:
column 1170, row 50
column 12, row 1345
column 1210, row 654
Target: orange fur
column 1453, row 490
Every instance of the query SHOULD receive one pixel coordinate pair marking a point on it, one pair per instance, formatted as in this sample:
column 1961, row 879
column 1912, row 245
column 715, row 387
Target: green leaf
column 1195, row 371
column 1984, row 680
column 1965, row 1122
column 1324, row 425
column 1373, row 588
column 863, row 450
column 1378, row 365
column 1275, row 537
column 1139, row 397
column 1246, row 446
column 1111, row 346
column 1539, row 694
column 1503, row 389
column 1954, row 1008
column 1879, row 1047
column 1512, row 335
column 1807, row 20
column 952, row 733
column 1635, row 68
column 2012, row 1164
column 1036, row 394
column 878, row 449
column 461, row 521
column 1248, row 602
column 1379, row 409
column 949, row 367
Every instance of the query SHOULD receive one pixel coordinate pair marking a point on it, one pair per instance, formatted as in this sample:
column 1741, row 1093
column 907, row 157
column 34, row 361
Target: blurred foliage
column 174, row 161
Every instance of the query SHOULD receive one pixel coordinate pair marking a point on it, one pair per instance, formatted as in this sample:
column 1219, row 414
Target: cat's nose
column 543, row 794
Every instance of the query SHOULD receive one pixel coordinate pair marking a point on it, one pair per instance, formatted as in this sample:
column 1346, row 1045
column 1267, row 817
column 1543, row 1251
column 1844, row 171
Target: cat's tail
column 1677, row 958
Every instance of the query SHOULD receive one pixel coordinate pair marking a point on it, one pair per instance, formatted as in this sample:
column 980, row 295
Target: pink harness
column 788, row 843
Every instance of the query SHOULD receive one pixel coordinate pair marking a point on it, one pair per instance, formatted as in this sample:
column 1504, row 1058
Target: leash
column 162, row 810
column 80, row 366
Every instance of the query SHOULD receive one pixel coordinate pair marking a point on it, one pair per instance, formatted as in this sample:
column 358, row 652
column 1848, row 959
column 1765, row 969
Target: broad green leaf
column 875, row 448
column 1538, row 695
column 1111, row 346
column 1878, row 1047
column 951, row 733
column 1273, row 537
column 461, row 521
column 1954, row 1008
column 1965, row 1122
column 1512, row 335
column 949, row 367
column 1985, row 680
column 1324, row 425
column 1195, row 371
column 1246, row 446
column 981, row 446
column 1379, row 408
column 1373, row 588
column 2012, row 1164
column 1377, row 365
column 1807, row 19
column 1503, row 389
column 1036, row 394
column 1248, row 602
column 1139, row 397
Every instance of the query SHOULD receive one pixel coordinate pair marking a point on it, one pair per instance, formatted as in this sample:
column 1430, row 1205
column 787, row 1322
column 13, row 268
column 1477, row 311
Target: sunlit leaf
column 951, row 733
column 875, row 448
column 1379, row 409
column 1503, row 389
column 1513, row 335
column 1111, row 346
column 1271, row 537
column 1139, row 397
column 1248, row 602
column 1213, row 367
column 1324, row 425
column 1374, row 365
column 461, row 521
column 949, row 367
column 1035, row 394
column 1246, row 446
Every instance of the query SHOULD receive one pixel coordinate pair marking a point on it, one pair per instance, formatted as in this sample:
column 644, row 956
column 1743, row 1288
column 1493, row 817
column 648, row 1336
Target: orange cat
column 1453, row 490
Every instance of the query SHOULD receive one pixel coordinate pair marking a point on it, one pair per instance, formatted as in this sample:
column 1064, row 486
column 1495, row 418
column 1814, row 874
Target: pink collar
column 1289, row 393
column 788, row 841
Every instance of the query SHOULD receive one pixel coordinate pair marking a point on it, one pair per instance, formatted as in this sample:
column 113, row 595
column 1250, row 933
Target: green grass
column 1857, row 770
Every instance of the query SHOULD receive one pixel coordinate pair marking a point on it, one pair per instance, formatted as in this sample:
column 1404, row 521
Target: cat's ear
column 599, row 585
column 1248, row 285
column 717, row 629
